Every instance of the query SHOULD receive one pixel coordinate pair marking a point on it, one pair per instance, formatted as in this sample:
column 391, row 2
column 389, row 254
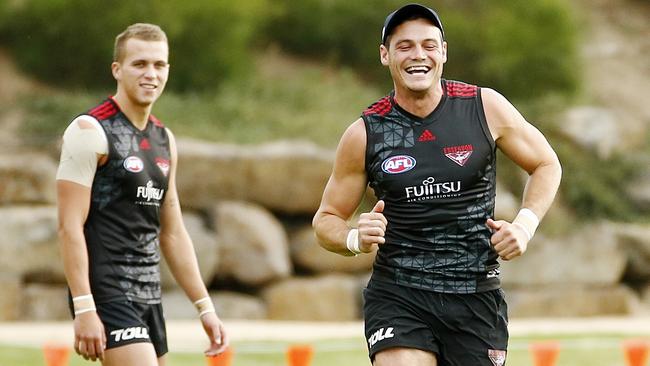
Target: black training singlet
column 437, row 177
column 124, row 218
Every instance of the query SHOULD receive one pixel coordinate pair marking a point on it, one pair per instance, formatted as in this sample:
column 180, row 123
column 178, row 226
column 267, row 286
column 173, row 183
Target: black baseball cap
column 405, row 12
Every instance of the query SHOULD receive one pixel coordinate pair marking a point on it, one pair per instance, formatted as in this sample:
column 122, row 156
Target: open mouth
column 149, row 86
column 418, row 70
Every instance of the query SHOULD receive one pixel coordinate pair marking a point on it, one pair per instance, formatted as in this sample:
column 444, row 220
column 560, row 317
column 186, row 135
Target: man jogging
column 428, row 149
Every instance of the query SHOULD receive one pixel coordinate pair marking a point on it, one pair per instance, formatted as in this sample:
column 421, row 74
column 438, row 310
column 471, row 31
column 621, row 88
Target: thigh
column 136, row 354
column 393, row 320
column 404, row 357
column 473, row 329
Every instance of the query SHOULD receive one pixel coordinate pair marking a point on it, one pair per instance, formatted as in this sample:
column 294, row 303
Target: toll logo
column 380, row 335
column 130, row 333
column 398, row 164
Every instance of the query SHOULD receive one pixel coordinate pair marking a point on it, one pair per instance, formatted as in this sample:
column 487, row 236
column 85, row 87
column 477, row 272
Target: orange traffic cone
column 300, row 355
column 545, row 353
column 56, row 354
column 222, row 359
column 636, row 352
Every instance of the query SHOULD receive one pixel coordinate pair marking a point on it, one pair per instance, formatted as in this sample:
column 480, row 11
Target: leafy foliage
column 70, row 42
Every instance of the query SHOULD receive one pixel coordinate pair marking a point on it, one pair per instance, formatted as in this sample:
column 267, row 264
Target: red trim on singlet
column 103, row 110
column 460, row 90
column 155, row 121
column 381, row 107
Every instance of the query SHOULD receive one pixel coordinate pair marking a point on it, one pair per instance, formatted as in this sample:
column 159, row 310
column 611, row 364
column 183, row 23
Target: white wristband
column 352, row 241
column 206, row 311
column 82, row 297
column 204, row 306
column 530, row 215
column 528, row 221
column 523, row 227
column 86, row 310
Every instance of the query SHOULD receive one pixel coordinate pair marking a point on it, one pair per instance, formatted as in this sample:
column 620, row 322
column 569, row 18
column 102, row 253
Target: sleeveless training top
column 124, row 218
column 437, row 177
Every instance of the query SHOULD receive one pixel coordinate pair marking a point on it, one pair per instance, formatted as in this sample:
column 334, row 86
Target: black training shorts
column 127, row 322
column 461, row 329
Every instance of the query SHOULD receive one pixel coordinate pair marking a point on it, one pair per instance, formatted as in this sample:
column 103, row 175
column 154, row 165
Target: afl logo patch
column 133, row 164
column 398, row 164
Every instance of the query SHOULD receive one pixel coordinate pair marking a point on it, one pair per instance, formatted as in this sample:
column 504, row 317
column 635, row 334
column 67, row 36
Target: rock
column 229, row 305
column 595, row 128
column 307, row 254
column 635, row 244
column 45, row 302
column 282, row 176
column 330, row 298
column 572, row 301
column 205, row 247
column 590, row 256
column 255, row 249
column 28, row 244
column 639, row 189
column 234, row 305
column 27, row 178
column 11, row 294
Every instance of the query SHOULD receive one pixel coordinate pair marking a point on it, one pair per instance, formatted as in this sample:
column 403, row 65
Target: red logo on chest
column 163, row 165
column 426, row 136
column 458, row 154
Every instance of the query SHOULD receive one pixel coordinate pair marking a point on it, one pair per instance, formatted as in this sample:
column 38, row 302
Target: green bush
column 70, row 42
column 520, row 47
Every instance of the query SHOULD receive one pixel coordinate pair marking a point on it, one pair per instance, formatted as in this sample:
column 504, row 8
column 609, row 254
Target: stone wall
column 249, row 213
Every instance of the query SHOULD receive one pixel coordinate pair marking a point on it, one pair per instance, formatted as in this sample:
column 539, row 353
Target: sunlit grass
column 575, row 350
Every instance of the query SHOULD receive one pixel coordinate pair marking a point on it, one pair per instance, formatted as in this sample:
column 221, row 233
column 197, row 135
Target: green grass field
column 575, row 350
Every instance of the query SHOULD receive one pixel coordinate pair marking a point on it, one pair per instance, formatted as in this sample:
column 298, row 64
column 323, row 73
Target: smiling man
column 118, row 207
column 428, row 149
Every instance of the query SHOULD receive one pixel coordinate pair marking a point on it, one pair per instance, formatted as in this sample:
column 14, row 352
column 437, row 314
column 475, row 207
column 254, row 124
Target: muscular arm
column 528, row 148
column 178, row 250
column 342, row 195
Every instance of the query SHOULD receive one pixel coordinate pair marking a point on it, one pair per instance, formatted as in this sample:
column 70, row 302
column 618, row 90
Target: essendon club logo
column 163, row 165
column 458, row 154
column 398, row 164
column 498, row 357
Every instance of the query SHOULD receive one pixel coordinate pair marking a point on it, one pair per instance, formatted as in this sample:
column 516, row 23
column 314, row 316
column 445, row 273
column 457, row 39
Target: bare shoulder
column 501, row 115
column 352, row 147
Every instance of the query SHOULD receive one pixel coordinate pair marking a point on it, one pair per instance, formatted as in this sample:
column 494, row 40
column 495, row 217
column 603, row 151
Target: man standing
column 428, row 149
column 117, row 203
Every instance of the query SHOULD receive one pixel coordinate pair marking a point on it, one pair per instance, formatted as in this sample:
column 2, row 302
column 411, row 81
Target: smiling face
column 415, row 55
column 142, row 71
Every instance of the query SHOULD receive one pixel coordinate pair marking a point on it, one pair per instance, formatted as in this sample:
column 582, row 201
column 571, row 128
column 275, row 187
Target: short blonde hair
column 142, row 31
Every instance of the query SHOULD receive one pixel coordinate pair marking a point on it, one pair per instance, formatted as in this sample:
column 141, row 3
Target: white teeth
column 148, row 86
column 418, row 69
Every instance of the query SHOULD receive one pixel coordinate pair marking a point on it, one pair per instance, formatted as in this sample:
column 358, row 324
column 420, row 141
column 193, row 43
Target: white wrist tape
column 83, row 304
column 352, row 242
column 86, row 310
column 82, row 297
column 528, row 221
column 204, row 306
column 529, row 235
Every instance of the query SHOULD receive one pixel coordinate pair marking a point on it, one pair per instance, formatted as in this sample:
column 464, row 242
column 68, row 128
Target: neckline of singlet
column 431, row 117
column 144, row 131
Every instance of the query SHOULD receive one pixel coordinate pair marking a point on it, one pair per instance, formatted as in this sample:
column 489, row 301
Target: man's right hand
column 89, row 336
column 372, row 228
